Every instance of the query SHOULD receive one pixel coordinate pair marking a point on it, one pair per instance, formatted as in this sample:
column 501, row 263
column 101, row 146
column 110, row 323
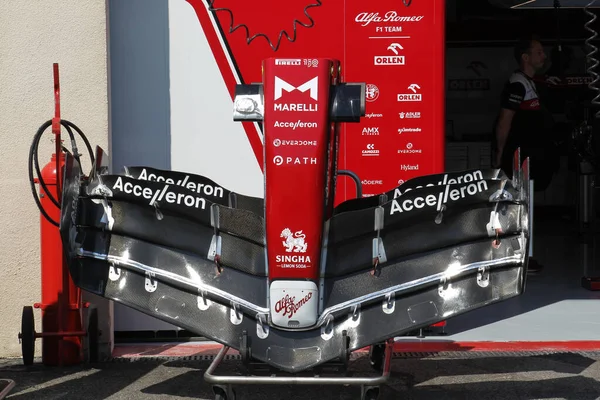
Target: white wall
column 33, row 35
column 204, row 138
column 140, row 112
column 171, row 108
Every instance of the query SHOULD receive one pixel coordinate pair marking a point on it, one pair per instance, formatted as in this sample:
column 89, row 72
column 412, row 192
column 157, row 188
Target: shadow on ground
column 569, row 376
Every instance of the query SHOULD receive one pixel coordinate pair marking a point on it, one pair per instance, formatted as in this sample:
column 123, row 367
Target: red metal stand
column 61, row 306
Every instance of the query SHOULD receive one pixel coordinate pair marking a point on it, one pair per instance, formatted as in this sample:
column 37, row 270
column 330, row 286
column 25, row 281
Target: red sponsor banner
column 396, row 47
column 297, row 139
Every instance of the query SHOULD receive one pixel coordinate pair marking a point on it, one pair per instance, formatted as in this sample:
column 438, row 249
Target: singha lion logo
column 294, row 242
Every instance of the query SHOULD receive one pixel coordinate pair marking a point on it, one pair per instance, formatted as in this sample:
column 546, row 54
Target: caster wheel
column 376, row 356
column 371, row 394
column 93, row 334
column 27, row 335
column 222, row 393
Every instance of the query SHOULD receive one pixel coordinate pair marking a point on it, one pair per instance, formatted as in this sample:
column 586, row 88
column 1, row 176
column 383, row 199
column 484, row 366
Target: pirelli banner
column 396, row 47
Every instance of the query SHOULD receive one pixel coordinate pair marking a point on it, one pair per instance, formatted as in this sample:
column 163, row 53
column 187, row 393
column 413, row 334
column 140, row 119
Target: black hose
column 66, row 123
column 32, row 151
column 35, row 164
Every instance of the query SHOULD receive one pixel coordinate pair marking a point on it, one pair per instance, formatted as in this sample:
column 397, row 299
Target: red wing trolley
column 294, row 281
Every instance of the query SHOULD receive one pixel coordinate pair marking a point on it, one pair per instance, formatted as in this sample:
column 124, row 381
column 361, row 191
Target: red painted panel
column 296, row 126
column 396, row 47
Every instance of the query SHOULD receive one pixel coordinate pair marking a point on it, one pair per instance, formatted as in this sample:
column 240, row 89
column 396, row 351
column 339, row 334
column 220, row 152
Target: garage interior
column 560, row 303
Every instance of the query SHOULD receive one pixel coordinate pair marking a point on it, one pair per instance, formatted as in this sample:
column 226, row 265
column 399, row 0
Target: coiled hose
column 34, row 163
column 233, row 27
column 592, row 62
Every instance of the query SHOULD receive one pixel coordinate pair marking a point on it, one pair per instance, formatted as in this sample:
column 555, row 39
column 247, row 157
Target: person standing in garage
column 523, row 122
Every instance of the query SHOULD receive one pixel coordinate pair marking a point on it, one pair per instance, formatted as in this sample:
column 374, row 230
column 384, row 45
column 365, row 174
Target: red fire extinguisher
column 61, row 306
column 60, row 297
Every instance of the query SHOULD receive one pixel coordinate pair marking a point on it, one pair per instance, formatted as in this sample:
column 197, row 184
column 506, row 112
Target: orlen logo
column 372, row 92
column 311, row 86
column 279, row 160
column 367, row 182
column 391, row 60
column 414, row 96
column 370, row 151
column 408, row 130
column 373, row 131
column 579, row 80
column 365, row 18
column 409, row 150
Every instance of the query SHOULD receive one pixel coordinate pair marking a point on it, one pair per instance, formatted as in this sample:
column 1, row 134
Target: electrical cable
column 557, row 14
column 233, row 27
column 34, row 163
column 275, row 47
column 591, row 60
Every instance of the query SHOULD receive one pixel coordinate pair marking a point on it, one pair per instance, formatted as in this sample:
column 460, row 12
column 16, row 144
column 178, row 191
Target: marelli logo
column 311, row 86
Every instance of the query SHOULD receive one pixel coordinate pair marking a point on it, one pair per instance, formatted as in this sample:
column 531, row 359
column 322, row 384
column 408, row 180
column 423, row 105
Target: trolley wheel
column 93, row 334
column 376, row 356
column 223, row 393
column 27, row 335
column 370, row 393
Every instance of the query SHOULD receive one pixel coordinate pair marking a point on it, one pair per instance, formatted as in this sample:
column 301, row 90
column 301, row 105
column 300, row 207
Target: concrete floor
column 554, row 306
column 442, row 376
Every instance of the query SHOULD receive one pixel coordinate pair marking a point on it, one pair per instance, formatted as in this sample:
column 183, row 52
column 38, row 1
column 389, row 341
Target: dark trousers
column 543, row 162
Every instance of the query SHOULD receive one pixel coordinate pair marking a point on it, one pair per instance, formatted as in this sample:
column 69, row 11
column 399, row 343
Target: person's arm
column 512, row 97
